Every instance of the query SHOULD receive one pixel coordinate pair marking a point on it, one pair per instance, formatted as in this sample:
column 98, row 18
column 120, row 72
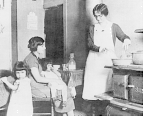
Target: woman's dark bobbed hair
column 34, row 42
column 20, row 65
column 101, row 8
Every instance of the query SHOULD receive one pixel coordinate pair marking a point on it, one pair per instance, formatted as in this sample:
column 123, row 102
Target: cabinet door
column 120, row 83
column 136, row 93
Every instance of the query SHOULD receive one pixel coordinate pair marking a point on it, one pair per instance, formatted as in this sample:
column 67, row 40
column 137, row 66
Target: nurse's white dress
column 21, row 100
column 97, row 79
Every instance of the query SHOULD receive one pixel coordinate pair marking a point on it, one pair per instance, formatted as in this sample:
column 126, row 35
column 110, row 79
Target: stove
column 128, row 83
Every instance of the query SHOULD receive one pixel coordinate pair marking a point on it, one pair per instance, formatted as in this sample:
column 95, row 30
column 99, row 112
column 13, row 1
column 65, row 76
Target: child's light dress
column 58, row 84
column 21, row 100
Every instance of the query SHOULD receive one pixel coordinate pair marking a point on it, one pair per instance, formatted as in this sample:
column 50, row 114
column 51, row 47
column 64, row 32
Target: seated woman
column 38, row 82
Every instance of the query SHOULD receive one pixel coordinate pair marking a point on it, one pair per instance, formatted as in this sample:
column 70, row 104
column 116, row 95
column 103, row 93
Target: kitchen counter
column 72, row 78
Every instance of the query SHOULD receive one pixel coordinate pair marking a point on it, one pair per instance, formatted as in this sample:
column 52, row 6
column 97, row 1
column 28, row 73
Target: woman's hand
column 102, row 49
column 52, row 68
column 43, row 74
column 126, row 44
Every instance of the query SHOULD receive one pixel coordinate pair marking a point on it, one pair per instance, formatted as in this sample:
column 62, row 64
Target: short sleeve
column 31, row 61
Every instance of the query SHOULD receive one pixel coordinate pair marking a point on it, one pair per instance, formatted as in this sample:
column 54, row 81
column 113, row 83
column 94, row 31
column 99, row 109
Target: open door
column 53, row 29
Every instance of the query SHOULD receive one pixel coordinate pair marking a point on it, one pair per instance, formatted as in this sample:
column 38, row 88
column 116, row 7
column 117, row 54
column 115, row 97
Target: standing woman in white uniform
column 101, row 40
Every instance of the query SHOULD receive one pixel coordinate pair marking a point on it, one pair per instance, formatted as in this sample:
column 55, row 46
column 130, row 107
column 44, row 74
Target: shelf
column 139, row 31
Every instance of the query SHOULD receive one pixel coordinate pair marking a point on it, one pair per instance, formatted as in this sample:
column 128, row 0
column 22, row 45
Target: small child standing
column 58, row 84
column 21, row 98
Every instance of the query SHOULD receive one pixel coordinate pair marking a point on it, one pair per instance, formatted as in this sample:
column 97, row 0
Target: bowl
column 122, row 61
column 138, row 58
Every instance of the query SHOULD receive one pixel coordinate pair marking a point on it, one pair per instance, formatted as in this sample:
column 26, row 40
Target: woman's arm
column 38, row 77
column 119, row 33
column 121, row 36
column 56, row 72
column 91, row 44
column 11, row 86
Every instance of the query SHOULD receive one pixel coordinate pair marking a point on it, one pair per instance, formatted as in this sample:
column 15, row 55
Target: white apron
column 97, row 79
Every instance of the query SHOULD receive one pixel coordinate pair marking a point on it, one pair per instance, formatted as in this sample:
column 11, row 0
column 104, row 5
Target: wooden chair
column 4, row 97
column 3, row 110
column 38, row 104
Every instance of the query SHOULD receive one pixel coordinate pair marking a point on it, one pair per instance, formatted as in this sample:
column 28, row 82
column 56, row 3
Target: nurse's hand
column 102, row 49
column 126, row 44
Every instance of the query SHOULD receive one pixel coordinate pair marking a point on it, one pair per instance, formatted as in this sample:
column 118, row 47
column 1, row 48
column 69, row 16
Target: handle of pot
column 130, row 86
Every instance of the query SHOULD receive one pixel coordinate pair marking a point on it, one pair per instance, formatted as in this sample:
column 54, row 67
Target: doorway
column 53, row 30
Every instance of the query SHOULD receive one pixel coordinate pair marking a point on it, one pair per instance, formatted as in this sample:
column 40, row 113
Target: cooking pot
column 137, row 58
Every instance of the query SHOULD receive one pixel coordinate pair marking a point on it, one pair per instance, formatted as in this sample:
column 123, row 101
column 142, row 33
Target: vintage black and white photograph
column 71, row 58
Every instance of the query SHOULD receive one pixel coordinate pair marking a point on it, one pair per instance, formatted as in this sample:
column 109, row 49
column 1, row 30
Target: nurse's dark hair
column 19, row 66
column 44, row 62
column 34, row 42
column 101, row 8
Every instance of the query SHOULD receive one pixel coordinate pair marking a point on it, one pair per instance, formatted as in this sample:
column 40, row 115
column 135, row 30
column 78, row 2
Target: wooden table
column 73, row 78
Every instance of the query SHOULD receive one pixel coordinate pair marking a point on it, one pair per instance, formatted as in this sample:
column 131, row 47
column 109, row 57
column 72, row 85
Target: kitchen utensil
column 122, row 61
column 137, row 58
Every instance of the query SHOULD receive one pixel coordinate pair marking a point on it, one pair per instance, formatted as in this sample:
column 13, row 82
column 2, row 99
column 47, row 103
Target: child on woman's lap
column 56, row 83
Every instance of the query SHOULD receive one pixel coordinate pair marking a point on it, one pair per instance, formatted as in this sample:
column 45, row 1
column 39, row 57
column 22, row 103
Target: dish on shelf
column 139, row 31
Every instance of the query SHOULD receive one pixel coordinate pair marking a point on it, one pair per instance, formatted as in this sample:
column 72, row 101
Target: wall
column 26, row 27
column 129, row 15
column 74, row 26
column 89, row 10
column 76, row 31
column 5, row 35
